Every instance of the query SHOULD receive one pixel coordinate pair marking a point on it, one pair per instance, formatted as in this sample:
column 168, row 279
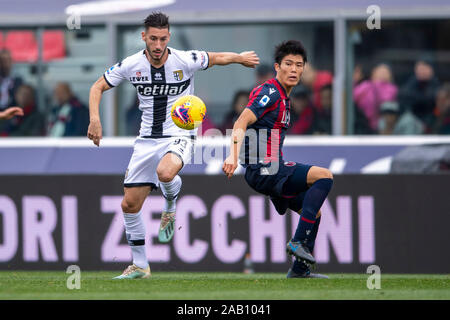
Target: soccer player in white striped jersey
column 161, row 75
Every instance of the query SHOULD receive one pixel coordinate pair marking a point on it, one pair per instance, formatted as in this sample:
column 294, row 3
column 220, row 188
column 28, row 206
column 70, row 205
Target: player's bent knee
column 164, row 176
column 130, row 207
column 318, row 173
column 323, row 173
column 327, row 174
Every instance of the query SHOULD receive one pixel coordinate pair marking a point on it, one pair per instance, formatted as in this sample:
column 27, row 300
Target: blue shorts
column 286, row 188
column 260, row 178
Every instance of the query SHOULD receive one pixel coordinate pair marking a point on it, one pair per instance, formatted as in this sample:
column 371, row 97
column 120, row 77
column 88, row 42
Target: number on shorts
column 182, row 141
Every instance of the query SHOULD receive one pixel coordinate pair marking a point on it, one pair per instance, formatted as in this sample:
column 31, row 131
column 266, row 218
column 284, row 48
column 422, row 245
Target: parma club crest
column 178, row 75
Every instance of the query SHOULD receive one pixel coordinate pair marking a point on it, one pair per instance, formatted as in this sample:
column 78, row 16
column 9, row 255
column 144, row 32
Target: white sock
column 170, row 190
column 135, row 232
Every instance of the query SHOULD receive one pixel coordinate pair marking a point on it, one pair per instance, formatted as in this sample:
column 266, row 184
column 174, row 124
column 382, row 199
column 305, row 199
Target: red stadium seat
column 54, row 46
column 23, row 46
column 1, row 41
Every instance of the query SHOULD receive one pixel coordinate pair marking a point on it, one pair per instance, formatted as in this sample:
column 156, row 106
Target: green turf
column 216, row 286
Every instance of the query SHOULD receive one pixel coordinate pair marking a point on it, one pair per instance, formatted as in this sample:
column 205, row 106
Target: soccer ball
column 188, row 112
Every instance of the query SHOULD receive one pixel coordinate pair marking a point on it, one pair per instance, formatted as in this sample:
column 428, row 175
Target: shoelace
column 166, row 219
column 129, row 269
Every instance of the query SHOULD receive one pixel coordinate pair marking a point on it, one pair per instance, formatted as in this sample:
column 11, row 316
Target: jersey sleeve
column 197, row 60
column 115, row 75
column 261, row 99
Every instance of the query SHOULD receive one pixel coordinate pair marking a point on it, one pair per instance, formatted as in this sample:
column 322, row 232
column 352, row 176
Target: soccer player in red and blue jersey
column 261, row 129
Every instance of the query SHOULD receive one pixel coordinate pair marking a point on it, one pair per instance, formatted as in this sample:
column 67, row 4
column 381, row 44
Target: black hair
column 157, row 20
column 289, row 47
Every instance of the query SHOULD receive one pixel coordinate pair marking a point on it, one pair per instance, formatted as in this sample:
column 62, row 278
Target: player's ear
column 277, row 67
column 143, row 35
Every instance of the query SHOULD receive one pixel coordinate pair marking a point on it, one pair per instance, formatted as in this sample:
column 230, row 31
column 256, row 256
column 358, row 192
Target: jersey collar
column 282, row 88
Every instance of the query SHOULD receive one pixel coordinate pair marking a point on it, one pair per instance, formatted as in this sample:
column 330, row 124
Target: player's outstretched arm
column 95, row 95
column 246, row 118
column 247, row 58
column 11, row 112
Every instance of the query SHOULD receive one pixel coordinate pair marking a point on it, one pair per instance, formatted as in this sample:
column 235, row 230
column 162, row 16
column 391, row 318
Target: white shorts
column 147, row 153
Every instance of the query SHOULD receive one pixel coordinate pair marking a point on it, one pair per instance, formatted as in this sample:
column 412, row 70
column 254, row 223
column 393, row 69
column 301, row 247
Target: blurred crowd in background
column 381, row 106
column 66, row 115
column 421, row 105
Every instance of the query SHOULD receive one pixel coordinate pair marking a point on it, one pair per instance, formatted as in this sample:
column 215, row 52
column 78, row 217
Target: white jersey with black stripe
column 159, row 88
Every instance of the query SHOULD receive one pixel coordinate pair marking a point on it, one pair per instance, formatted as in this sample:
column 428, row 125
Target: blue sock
column 301, row 267
column 314, row 198
column 312, row 238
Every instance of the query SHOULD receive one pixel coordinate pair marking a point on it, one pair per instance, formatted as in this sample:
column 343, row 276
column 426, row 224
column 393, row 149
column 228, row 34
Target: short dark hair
column 289, row 47
column 156, row 20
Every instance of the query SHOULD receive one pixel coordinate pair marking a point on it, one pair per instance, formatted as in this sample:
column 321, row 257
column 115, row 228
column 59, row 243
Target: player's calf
column 170, row 192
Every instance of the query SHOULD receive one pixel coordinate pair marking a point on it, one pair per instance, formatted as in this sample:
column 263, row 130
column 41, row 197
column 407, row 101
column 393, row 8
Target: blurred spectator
column 240, row 101
column 32, row 123
column 302, row 111
column 361, row 123
column 133, row 118
column 8, row 84
column 441, row 123
column 264, row 72
column 358, row 74
column 206, row 125
column 315, row 80
column 419, row 92
column 370, row 94
column 322, row 118
column 69, row 117
column 393, row 122
column 11, row 112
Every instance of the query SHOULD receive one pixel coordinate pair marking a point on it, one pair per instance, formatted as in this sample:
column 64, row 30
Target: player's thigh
column 134, row 198
column 297, row 179
column 179, row 153
column 168, row 167
column 315, row 173
column 141, row 170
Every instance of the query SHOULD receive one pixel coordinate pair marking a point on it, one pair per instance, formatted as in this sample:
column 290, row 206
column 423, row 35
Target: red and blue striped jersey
column 264, row 138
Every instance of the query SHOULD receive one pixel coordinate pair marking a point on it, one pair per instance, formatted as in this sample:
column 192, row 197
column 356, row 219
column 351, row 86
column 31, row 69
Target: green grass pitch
column 220, row 286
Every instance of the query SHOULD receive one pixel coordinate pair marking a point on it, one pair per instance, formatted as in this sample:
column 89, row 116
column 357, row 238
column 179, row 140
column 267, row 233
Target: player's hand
column 229, row 166
column 11, row 112
column 95, row 132
column 249, row 59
